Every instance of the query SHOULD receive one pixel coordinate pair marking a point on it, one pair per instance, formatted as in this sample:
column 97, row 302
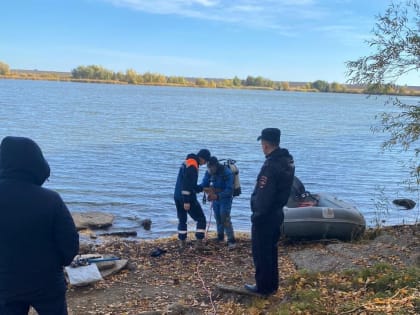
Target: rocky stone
column 404, row 202
column 93, row 220
column 385, row 248
column 146, row 224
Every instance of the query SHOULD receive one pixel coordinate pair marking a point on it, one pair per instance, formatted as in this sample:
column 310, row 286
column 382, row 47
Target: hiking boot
column 219, row 238
column 231, row 244
column 253, row 289
column 199, row 245
column 182, row 245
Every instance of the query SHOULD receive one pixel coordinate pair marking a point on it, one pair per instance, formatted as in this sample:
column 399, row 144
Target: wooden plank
column 237, row 290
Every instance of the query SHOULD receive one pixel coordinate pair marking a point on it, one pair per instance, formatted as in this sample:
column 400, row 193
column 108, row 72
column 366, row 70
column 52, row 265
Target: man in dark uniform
column 270, row 194
column 185, row 196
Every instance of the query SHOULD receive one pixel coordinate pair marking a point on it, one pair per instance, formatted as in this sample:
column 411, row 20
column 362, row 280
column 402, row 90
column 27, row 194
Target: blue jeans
column 221, row 211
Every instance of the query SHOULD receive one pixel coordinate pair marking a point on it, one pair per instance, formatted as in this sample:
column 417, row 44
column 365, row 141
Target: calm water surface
column 118, row 148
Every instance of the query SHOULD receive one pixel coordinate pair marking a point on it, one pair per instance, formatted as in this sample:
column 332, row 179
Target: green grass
column 328, row 293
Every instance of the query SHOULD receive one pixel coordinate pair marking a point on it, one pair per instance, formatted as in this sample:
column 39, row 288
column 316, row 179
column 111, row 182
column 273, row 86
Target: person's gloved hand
column 212, row 197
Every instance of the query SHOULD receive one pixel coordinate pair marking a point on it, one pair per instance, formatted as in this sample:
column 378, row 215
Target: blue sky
column 282, row 40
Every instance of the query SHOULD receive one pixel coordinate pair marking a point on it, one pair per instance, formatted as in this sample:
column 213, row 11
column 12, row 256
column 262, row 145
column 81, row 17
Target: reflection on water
column 118, row 148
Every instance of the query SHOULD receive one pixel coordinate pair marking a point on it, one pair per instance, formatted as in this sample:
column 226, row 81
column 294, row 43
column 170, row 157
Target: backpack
column 298, row 191
column 231, row 164
column 299, row 196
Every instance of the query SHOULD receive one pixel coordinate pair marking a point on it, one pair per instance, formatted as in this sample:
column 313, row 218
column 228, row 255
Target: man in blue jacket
column 37, row 233
column 185, row 197
column 270, row 195
column 218, row 184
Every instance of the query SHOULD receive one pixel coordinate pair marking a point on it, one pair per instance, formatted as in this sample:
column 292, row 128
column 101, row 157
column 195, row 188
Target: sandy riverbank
column 186, row 283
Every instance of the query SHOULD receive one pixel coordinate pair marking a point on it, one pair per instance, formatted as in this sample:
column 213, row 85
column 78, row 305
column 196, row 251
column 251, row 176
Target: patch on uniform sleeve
column 262, row 181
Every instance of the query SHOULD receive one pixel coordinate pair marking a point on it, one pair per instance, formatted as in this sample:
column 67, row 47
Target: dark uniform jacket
column 272, row 189
column 186, row 183
column 37, row 233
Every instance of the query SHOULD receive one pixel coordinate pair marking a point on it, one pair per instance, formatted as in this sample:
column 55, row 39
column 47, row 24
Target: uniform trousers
column 265, row 236
column 196, row 213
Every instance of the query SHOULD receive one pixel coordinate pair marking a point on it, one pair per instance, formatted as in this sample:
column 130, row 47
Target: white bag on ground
column 83, row 275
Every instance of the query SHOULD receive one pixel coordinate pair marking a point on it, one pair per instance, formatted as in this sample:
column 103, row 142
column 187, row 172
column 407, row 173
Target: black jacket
column 186, row 184
column 273, row 186
column 37, row 233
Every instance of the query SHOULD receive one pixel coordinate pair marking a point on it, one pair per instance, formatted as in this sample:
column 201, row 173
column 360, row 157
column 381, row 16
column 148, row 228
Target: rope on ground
column 214, row 260
column 205, row 287
column 208, row 225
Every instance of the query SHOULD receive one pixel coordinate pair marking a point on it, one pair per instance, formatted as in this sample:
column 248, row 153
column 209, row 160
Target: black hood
column 21, row 158
column 279, row 152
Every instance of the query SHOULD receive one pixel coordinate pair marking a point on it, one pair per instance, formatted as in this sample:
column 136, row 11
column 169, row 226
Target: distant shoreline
column 190, row 82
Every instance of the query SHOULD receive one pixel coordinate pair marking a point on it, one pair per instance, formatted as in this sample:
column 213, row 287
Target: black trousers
column 265, row 237
column 195, row 212
column 44, row 306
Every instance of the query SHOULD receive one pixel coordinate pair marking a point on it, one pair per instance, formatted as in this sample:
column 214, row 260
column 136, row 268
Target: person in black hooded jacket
column 270, row 195
column 37, row 233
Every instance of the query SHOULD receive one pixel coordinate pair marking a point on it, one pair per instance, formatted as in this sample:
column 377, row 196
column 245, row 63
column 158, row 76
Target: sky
column 281, row 40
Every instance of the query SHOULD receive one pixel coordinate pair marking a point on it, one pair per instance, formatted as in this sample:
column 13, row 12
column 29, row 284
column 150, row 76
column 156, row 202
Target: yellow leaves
column 389, row 305
column 324, row 290
column 403, row 291
column 402, row 300
column 379, row 301
column 253, row 311
column 155, row 283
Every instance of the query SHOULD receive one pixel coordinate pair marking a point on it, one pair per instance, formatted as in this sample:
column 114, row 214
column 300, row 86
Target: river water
column 117, row 148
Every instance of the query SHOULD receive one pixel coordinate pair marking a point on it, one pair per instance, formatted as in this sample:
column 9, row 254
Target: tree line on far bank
column 96, row 73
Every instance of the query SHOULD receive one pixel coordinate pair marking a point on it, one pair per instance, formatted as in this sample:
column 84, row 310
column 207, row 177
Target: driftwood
column 173, row 309
column 122, row 234
column 237, row 290
column 406, row 203
column 119, row 265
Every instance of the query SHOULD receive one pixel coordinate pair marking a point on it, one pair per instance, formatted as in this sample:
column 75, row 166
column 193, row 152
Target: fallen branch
column 121, row 234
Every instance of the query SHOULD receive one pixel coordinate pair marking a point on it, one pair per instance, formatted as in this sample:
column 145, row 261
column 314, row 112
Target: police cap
column 271, row 135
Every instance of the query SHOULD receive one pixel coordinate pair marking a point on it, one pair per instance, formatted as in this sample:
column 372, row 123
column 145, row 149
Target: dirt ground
column 186, row 282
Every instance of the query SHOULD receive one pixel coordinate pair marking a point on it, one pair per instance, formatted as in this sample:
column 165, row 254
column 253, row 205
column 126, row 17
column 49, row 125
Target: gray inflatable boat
column 322, row 216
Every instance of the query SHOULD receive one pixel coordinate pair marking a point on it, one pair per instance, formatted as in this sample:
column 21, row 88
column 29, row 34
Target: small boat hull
column 327, row 218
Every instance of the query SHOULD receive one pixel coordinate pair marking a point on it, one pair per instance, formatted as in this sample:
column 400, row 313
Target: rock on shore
column 92, row 220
